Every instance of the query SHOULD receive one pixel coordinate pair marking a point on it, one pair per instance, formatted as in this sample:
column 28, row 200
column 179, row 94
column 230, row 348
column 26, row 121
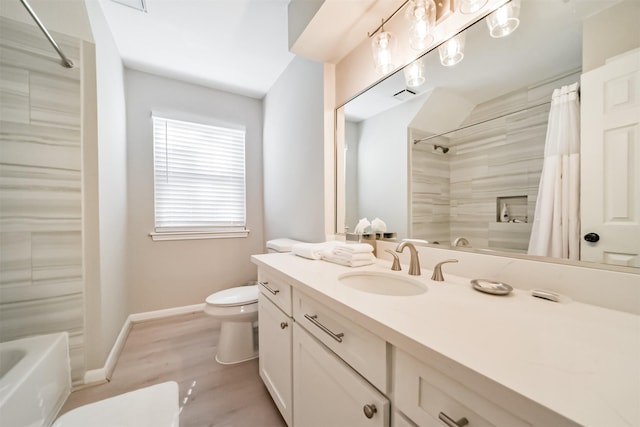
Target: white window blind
column 199, row 177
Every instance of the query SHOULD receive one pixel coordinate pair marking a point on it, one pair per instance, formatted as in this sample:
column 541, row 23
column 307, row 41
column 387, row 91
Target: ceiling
column 238, row 46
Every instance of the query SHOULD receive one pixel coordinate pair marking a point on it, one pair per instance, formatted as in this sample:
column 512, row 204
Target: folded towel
column 313, row 250
column 281, row 245
column 378, row 225
column 362, row 259
column 355, row 248
column 361, row 226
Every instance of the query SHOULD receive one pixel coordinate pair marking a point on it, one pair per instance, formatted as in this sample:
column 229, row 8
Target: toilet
column 237, row 309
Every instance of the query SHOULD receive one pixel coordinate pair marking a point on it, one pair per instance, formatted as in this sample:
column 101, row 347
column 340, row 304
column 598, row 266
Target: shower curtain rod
column 66, row 62
column 415, row 141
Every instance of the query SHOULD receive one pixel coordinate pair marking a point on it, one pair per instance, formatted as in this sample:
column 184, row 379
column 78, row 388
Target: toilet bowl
column 237, row 309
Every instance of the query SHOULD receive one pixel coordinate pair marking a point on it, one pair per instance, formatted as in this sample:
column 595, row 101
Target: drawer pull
column 266, row 286
column 313, row 319
column 369, row 410
column 450, row 422
column 283, row 325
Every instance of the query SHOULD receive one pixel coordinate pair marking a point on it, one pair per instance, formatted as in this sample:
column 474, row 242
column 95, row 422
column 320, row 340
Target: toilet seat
column 241, row 295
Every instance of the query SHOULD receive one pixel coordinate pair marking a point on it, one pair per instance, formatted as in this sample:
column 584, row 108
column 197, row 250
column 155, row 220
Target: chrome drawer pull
column 266, row 286
column 313, row 319
column 450, row 422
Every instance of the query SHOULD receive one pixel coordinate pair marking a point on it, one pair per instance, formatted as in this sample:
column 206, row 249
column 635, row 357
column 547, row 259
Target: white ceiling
column 234, row 45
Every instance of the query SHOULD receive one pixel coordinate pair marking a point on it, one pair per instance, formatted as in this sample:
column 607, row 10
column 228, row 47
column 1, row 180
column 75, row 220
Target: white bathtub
column 35, row 380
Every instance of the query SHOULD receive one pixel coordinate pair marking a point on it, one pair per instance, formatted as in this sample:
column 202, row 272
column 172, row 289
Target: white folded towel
column 313, row 250
column 354, row 248
column 378, row 225
column 350, row 261
column 361, row 226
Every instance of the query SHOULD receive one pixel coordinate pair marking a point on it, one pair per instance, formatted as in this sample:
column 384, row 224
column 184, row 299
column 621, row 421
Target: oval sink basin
column 376, row 282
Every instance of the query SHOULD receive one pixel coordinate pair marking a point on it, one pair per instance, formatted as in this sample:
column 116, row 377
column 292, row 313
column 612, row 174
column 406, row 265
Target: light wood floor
column 182, row 349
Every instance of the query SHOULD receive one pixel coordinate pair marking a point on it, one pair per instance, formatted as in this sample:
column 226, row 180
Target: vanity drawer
column 362, row 350
column 276, row 289
column 427, row 396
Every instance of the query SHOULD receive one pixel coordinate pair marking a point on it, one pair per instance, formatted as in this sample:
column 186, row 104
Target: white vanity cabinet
column 328, row 392
column 275, row 328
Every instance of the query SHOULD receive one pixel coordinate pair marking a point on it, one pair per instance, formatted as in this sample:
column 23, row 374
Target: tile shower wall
column 41, row 282
column 500, row 158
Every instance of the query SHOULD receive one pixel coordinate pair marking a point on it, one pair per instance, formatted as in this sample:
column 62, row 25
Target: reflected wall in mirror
column 447, row 159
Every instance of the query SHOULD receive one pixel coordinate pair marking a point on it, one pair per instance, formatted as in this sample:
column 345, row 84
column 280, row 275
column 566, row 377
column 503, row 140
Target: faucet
column 437, row 270
column 461, row 241
column 414, row 266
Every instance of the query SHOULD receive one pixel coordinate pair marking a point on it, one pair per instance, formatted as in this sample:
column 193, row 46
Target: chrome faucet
column 414, row 266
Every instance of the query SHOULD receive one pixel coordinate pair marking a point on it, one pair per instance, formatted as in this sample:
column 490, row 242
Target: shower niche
column 514, row 207
column 511, row 233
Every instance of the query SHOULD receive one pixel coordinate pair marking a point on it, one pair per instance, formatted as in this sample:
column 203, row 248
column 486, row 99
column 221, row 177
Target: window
column 199, row 180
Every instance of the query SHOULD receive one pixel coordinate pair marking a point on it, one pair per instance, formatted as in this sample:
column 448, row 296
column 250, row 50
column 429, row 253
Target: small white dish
column 491, row 287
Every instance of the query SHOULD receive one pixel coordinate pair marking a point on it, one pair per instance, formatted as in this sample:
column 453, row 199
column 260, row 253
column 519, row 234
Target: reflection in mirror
column 459, row 158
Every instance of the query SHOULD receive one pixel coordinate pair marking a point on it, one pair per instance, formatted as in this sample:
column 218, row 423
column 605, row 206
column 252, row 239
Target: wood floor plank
column 182, row 349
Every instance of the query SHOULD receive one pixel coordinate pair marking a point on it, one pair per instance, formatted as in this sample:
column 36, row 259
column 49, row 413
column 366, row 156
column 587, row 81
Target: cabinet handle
column 450, row 422
column 369, row 410
column 283, row 325
column 266, row 286
column 313, row 319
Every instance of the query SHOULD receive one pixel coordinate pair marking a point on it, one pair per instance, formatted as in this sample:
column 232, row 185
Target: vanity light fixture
column 471, row 6
column 452, row 51
column 422, row 16
column 382, row 46
column 414, row 73
column 504, row 20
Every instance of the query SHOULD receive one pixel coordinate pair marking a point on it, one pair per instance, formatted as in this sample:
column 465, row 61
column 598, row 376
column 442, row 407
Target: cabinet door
column 274, row 332
column 328, row 392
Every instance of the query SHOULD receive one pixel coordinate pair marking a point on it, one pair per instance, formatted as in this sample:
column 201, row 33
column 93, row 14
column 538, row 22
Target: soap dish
column 491, row 287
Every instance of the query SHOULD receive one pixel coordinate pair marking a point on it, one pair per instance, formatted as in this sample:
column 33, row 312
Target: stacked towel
column 354, row 255
column 313, row 250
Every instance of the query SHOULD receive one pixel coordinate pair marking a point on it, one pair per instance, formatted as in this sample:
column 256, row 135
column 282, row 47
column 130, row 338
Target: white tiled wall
column 41, row 283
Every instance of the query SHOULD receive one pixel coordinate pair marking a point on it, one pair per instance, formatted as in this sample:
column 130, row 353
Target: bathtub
column 35, row 379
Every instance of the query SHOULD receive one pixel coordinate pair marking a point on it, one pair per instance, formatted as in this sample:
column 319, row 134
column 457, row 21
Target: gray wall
column 293, row 153
column 164, row 274
column 106, row 301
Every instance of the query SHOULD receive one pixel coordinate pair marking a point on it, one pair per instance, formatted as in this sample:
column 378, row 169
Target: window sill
column 197, row 235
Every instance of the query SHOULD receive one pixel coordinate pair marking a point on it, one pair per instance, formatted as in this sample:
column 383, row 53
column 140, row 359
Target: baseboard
column 103, row 374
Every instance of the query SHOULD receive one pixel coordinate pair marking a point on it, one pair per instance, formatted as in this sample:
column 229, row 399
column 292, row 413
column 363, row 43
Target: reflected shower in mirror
column 462, row 154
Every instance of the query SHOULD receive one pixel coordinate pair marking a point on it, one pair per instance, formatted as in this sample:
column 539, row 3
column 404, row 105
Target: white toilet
column 237, row 309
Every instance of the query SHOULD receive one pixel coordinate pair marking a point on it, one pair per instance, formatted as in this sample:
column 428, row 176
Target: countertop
column 578, row 360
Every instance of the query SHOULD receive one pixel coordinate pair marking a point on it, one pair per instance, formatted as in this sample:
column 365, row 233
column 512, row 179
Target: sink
column 376, row 282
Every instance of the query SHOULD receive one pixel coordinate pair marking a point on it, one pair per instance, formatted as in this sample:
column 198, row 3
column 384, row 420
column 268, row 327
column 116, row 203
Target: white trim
column 195, row 235
column 103, row 374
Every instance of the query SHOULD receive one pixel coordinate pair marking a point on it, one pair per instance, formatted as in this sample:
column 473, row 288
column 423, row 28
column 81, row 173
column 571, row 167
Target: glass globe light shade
column 471, row 6
column 504, row 20
column 414, row 73
column 422, row 16
column 452, row 51
column 382, row 47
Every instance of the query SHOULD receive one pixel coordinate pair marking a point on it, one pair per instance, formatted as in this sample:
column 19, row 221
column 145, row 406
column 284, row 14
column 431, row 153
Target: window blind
column 199, row 175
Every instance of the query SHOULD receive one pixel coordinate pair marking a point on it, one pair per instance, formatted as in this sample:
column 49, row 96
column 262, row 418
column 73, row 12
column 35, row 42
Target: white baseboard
column 103, row 374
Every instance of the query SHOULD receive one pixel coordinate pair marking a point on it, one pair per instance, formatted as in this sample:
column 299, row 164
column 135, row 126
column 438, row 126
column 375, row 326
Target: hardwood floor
column 182, row 349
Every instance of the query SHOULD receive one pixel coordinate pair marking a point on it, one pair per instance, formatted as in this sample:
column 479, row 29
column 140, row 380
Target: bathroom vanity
column 333, row 354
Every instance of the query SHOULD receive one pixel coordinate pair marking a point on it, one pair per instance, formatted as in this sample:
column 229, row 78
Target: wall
column 164, row 274
column 293, row 153
column 610, row 33
column 106, row 305
column 41, row 253
column 351, row 196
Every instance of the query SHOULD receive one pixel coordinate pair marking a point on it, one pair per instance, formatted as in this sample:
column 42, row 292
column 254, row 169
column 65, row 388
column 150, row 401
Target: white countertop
column 578, row 360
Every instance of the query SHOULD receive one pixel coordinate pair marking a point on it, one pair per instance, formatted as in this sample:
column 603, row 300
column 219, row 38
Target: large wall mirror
column 457, row 160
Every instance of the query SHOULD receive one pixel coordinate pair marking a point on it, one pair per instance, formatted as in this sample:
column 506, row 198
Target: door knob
column 369, row 410
column 591, row 237
column 283, row 325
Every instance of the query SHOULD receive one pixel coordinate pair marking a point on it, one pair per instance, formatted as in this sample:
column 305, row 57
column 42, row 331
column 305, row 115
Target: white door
column 610, row 162
column 275, row 333
column 328, row 392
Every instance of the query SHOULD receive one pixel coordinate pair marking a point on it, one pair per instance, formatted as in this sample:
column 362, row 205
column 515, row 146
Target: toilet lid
column 234, row 296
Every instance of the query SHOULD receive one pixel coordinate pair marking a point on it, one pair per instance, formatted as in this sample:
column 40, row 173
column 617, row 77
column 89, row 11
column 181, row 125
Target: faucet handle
column 396, row 260
column 437, row 270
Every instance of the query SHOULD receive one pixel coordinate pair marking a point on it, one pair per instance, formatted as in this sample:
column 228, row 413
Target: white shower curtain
column 556, row 226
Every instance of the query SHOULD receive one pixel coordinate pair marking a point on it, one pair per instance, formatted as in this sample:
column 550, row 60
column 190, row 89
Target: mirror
column 446, row 159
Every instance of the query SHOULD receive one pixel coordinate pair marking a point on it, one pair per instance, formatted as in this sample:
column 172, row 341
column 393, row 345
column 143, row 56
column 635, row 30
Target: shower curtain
column 556, row 226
